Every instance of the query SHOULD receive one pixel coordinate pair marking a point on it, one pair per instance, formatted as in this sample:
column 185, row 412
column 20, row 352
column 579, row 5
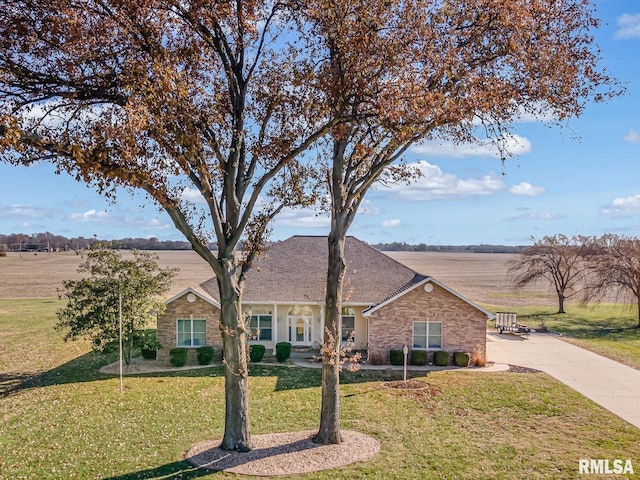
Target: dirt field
column 481, row 277
column 39, row 276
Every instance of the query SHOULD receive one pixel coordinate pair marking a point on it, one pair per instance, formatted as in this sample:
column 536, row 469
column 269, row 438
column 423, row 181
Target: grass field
column 62, row 419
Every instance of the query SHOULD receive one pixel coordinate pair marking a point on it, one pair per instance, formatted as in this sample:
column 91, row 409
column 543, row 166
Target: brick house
column 386, row 304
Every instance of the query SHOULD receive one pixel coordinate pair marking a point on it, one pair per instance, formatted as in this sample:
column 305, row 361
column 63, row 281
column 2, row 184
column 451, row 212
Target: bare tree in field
column 204, row 105
column 436, row 70
column 615, row 261
column 560, row 261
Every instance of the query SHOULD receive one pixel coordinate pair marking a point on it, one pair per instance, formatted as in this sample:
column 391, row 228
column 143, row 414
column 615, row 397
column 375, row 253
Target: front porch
column 302, row 325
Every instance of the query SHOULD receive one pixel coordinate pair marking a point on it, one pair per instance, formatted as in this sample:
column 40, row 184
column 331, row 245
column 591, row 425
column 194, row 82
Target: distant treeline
column 43, row 242
column 422, row 247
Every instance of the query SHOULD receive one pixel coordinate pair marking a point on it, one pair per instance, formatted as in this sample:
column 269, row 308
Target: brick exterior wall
column 181, row 308
column 390, row 327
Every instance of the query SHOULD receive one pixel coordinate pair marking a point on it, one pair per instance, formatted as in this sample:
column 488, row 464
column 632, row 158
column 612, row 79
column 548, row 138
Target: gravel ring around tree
column 291, row 453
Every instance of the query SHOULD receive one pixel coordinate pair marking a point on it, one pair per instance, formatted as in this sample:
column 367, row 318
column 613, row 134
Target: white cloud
column 526, row 189
column 628, row 26
column 513, row 144
column 622, row 207
column 20, row 211
column 536, row 216
column 392, row 222
column 315, row 217
column 542, row 113
column 119, row 220
column 192, row 195
column 633, row 136
column 303, row 218
column 368, row 208
column 92, row 215
column 434, row 184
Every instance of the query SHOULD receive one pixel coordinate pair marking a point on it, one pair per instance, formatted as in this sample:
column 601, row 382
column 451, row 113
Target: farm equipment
column 508, row 322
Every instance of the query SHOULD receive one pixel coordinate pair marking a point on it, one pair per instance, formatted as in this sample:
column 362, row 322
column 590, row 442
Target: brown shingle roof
column 294, row 270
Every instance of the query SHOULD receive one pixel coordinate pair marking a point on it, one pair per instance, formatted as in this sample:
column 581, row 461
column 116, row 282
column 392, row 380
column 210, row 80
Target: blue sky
column 581, row 179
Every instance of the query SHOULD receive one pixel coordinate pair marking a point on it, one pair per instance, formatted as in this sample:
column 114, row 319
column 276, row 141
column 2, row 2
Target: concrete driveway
column 614, row 386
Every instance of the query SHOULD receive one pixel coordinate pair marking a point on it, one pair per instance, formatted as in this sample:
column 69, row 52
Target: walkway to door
column 614, row 386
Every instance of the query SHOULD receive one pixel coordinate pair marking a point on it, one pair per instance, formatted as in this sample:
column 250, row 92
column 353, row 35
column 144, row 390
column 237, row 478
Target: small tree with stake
column 92, row 302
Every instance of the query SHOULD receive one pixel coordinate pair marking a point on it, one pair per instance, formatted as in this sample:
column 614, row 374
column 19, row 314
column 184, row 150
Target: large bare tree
column 560, row 261
column 174, row 98
column 427, row 70
column 615, row 260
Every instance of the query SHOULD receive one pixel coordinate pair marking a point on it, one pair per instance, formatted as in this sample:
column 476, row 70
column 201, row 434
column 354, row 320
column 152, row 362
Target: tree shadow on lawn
column 626, row 333
column 583, row 327
column 86, row 369
column 214, row 461
column 291, row 378
column 176, row 470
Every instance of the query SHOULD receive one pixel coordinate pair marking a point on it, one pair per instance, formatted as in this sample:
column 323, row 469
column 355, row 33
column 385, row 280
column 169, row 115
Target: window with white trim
column 427, row 335
column 261, row 327
column 348, row 324
column 191, row 332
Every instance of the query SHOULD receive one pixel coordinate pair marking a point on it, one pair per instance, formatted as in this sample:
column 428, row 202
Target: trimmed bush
column 441, row 358
column 418, row 357
column 178, row 357
column 256, row 352
column 396, row 357
column 283, row 351
column 461, row 359
column 205, row 355
column 149, row 354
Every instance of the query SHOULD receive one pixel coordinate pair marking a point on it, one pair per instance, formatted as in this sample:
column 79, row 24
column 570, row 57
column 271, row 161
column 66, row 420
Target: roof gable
column 409, row 287
column 198, row 293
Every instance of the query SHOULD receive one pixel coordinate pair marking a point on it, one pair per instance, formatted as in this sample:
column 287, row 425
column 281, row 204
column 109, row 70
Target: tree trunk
column 561, row 303
column 329, row 431
column 638, row 325
column 234, row 342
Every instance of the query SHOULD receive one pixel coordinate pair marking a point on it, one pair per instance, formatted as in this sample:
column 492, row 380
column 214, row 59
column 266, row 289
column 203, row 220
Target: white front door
column 299, row 326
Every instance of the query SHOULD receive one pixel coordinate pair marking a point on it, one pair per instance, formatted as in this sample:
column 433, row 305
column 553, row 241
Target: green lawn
column 607, row 329
column 62, row 419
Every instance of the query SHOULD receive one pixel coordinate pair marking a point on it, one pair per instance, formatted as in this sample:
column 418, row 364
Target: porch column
column 274, row 327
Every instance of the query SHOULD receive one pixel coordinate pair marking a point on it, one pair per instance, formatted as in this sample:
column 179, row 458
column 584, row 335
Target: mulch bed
column 408, row 385
column 290, row 453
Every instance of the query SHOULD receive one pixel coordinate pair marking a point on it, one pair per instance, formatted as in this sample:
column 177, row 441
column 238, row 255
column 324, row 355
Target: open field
column 39, row 276
column 481, row 277
column 60, row 418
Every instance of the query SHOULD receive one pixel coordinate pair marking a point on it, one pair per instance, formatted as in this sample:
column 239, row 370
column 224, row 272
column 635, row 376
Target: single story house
column 386, row 304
